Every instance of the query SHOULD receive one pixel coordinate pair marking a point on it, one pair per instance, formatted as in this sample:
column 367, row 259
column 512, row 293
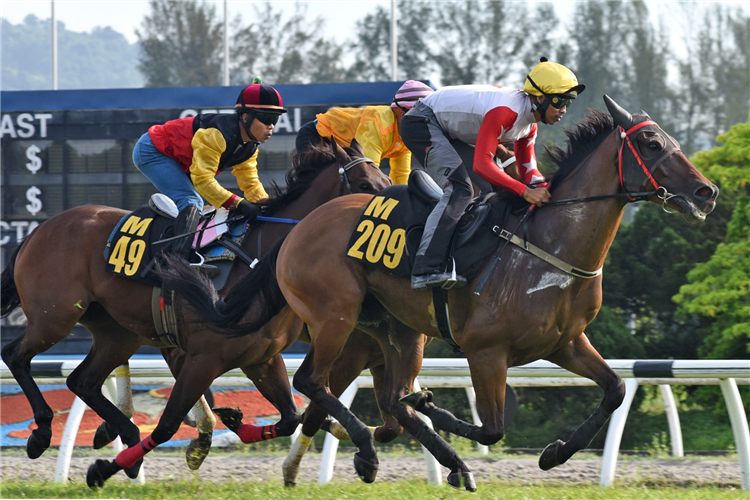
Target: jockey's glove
column 250, row 210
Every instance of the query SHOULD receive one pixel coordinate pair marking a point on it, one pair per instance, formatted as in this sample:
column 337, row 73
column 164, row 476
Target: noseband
column 344, row 179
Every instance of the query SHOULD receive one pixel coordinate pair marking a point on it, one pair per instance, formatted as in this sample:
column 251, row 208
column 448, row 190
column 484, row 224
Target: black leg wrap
column 358, row 431
column 558, row 453
column 446, row 421
column 584, row 434
column 440, row 449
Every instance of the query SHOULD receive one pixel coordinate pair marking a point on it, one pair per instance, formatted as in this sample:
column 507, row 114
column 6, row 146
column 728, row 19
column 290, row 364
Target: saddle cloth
column 388, row 233
column 133, row 245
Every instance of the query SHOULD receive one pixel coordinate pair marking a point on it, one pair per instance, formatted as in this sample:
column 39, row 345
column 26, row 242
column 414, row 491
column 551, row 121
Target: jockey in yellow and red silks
column 376, row 129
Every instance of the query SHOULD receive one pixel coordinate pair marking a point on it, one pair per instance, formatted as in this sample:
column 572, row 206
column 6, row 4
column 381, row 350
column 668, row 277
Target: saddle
column 144, row 234
column 390, row 229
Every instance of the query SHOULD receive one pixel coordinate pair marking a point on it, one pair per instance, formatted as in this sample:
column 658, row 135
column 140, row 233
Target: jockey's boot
column 185, row 223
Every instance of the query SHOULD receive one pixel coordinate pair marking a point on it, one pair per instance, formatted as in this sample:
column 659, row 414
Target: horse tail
column 258, row 291
column 8, row 290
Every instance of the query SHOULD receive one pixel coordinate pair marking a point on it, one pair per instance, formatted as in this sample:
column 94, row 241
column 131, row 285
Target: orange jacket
column 375, row 129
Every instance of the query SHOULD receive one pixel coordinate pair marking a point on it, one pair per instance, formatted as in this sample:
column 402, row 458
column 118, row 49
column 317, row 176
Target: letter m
column 134, row 225
column 380, row 207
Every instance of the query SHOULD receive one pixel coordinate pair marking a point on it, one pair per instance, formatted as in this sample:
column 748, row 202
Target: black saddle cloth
column 388, row 233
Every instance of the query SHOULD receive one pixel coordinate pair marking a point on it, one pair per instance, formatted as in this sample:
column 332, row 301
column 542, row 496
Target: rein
column 660, row 191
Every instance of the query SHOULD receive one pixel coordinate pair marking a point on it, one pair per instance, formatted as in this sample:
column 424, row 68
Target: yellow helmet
column 548, row 78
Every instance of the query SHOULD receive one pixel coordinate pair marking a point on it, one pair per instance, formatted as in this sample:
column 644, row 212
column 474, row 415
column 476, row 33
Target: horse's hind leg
column 108, row 351
column 580, row 357
column 311, row 380
column 197, row 450
column 196, row 376
column 17, row 356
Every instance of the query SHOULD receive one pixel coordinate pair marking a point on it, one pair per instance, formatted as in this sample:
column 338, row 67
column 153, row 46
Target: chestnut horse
column 117, row 310
column 531, row 306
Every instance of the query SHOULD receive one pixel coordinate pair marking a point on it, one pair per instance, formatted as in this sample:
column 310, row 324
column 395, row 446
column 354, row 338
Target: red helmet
column 260, row 97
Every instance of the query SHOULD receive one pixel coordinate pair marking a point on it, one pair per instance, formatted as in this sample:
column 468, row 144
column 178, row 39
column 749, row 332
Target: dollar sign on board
column 35, row 204
column 36, row 162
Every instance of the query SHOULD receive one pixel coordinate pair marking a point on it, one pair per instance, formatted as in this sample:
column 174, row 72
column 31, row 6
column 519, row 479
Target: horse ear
column 338, row 152
column 358, row 148
column 621, row 116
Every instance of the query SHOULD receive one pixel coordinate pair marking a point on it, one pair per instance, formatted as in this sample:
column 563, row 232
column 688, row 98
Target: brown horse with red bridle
column 58, row 278
column 538, row 293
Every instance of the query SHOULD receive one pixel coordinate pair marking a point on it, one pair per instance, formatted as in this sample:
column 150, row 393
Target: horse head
column 359, row 173
column 650, row 161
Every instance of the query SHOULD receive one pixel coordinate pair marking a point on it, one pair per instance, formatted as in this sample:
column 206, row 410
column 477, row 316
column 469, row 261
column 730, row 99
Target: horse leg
column 272, row 380
column 17, row 356
column 107, row 353
column 105, row 433
column 194, row 379
column 402, row 366
column 490, row 390
column 580, row 357
column 360, row 351
column 198, row 448
column 311, row 380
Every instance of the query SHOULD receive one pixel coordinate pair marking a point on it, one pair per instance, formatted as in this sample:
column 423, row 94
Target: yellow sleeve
column 248, row 180
column 371, row 136
column 208, row 145
column 400, row 168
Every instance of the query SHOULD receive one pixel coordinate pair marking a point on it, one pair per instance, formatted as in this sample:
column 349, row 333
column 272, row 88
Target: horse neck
column 582, row 233
column 324, row 188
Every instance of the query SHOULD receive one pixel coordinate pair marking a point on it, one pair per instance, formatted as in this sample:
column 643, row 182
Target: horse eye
column 365, row 187
column 655, row 146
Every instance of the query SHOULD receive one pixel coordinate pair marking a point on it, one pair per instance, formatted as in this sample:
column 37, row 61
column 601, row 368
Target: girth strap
column 162, row 312
column 551, row 259
column 442, row 316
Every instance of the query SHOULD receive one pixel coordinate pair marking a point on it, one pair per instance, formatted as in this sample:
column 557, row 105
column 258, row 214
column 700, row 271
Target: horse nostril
column 706, row 192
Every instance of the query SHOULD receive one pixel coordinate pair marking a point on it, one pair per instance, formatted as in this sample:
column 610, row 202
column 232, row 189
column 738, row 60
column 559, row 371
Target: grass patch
column 335, row 491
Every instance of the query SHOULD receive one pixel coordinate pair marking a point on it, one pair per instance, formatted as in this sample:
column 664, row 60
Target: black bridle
column 344, row 179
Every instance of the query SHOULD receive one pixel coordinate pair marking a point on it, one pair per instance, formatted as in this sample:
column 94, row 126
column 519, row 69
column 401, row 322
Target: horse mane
column 305, row 168
column 582, row 140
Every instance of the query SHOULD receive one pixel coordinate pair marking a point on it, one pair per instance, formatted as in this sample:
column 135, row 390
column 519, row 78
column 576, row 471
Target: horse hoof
column 96, row 475
column 290, row 484
column 230, row 417
column 467, row 478
column 366, row 470
column 132, row 472
column 37, row 443
column 102, row 436
column 197, row 450
column 548, row 458
column 417, row 400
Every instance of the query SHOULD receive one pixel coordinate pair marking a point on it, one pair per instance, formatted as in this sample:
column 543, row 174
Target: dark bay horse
column 58, row 277
column 534, row 305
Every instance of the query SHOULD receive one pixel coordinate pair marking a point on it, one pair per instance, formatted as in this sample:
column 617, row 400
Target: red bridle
column 625, row 135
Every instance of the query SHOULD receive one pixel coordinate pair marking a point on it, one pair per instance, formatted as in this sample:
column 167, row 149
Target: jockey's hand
column 537, row 196
column 250, row 210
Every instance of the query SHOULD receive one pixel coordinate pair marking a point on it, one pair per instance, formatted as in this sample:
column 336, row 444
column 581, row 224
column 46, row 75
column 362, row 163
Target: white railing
column 454, row 372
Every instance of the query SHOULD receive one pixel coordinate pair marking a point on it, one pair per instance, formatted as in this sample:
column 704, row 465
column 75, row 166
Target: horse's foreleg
column 489, row 384
column 272, row 380
column 198, row 448
column 17, row 356
column 194, row 379
column 105, row 433
column 311, row 380
column 580, row 357
column 402, row 366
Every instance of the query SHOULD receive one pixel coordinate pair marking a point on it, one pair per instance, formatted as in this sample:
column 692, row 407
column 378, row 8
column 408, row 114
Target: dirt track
column 515, row 470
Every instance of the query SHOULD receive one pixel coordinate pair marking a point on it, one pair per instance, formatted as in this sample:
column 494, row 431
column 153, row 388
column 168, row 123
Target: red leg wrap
column 128, row 458
column 254, row 433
